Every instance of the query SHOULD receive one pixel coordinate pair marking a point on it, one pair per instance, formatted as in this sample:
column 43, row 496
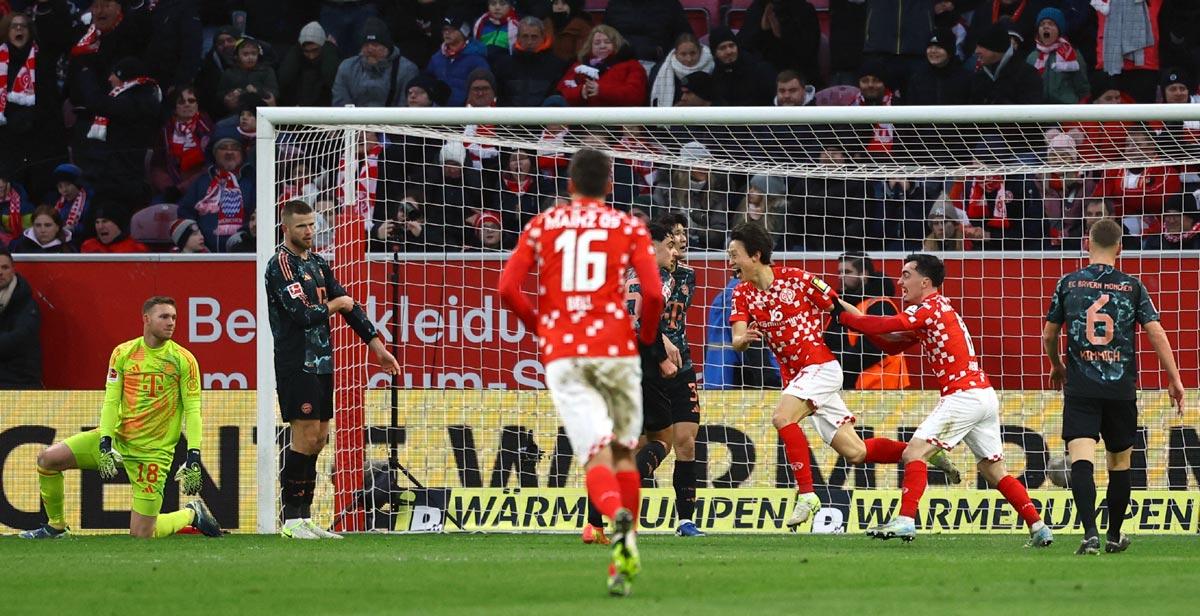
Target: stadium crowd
column 129, row 125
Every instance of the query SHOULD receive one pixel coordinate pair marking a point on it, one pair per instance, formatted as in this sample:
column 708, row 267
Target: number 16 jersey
column 582, row 249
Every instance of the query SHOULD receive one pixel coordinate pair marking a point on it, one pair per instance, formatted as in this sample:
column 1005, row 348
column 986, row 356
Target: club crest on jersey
column 787, row 295
column 666, row 290
column 295, row 290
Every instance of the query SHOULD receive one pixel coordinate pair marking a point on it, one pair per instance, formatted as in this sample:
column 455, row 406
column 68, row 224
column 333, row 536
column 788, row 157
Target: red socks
column 631, row 492
column 1019, row 499
column 795, row 445
column 603, row 491
column 916, row 476
column 884, row 450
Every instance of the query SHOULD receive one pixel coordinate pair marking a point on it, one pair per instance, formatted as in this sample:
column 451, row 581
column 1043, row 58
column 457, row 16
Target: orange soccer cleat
column 595, row 534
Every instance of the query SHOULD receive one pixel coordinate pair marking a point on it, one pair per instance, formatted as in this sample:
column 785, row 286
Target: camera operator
column 401, row 226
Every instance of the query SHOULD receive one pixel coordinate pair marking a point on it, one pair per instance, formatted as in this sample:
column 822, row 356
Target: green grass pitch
column 556, row 574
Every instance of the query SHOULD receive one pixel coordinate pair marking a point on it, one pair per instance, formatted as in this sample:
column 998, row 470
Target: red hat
column 181, row 230
column 486, row 217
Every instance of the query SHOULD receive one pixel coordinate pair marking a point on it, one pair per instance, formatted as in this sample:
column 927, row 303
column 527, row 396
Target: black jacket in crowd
column 1016, row 83
column 20, row 346
column 799, row 40
column 939, row 85
column 526, row 78
column 747, row 82
column 650, row 26
column 173, row 52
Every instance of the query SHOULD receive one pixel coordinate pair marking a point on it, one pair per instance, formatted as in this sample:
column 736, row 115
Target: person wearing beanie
column 1177, row 87
column 425, row 91
column 186, row 237
column 696, row 90
column 1001, row 78
column 481, row 88
column 110, row 222
column 344, row 21
column 71, row 199
column 222, row 199
column 706, row 197
column 308, row 69
column 456, row 59
column 221, row 56
column 1021, row 16
column 527, row 77
column 489, row 231
column 249, row 75
column 740, row 78
column 1063, row 74
column 942, row 80
column 378, row 76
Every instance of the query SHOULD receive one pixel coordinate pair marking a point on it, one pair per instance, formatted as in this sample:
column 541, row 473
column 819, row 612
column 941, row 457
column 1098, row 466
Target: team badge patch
column 112, row 375
column 787, row 295
column 295, row 290
column 820, row 285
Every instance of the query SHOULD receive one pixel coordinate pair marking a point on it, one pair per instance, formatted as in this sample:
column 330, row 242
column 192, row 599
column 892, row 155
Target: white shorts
column 599, row 400
column 971, row 416
column 821, row 384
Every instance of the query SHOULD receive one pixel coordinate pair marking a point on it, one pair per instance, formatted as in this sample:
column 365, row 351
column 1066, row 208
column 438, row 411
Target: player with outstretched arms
column 968, row 410
column 587, row 341
column 786, row 306
column 1100, row 305
column 151, row 391
column 302, row 295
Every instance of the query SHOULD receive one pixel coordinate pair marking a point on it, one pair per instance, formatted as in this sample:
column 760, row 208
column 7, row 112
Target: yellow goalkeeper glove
column 189, row 476
column 109, row 460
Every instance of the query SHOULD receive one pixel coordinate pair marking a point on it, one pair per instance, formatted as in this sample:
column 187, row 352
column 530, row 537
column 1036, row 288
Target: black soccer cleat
column 204, row 520
column 45, row 531
column 1090, row 545
column 1118, row 546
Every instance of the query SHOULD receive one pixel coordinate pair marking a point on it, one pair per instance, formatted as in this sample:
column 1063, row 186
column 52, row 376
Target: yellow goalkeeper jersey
column 148, row 394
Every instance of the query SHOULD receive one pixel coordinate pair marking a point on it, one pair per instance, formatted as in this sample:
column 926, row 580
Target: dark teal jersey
column 1098, row 307
column 678, row 288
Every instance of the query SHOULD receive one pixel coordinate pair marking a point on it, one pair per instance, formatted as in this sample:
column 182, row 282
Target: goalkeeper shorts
column 147, row 474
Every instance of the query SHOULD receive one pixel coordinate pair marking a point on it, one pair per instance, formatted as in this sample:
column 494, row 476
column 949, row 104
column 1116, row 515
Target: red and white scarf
column 23, row 86
column 76, row 210
column 1016, row 14
column 185, row 144
column 994, row 215
column 16, row 225
column 1185, row 236
column 551, row 162
column 479, row 152
column 517, row 187
column 1066, row 61
column 224, row 198
column 366, row 183
column 99, row 129
column 884, row 134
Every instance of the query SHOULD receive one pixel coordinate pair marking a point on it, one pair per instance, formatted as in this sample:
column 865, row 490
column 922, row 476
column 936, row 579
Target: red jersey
column 943, row 337
column 791, row 312
column 582, row 250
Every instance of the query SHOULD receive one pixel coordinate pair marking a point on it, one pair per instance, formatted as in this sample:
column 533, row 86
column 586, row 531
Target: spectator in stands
column 785, row 33
column 497, row 28
column 378, row 76
column 308, row 70
column 481, row 89
column 20, row 330
column 416, row 26
column 248, row 75
column 942, row 79
column 897, row 34
column 425, row 91
column 551, row 161
column 1063, row 192
column 222, row 199
column 686, row 58
column 649, row 26
column 111, row 220
column 704, row 196
column 696, row 90
column 607, row 73
column 873, row 91
column 72, row 200
column 1021, row 13
column 522, row 190
column 1096, row 209
column 186, row 237
column 739, row 77
column 16, row 209
column 401, row 226
column 1064, row 77
column 948, row 15
column 945, row 233
column 122, row 130
column 528, row 76
column 176, row 42
column 179, row 153
column 766, row 203
column 457, row 191
column 1005, row 211
column 847, row 31
column 342, row 19
column 221, row 56
column 31, row 119
column 570, row 26
column 833, row 209
column 791, row 90
column 1180, row 226
column 1141, row 188
column 1177, row 86
column 457, row 58
column 1001, row 78
column 896, row 215
column 46, row 234
column 864, row 365
column 1127, row 45
column 488, row 232
column 246, row 240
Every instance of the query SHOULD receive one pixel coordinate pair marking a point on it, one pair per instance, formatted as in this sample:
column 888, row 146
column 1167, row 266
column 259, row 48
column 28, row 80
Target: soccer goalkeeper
column 152, row 387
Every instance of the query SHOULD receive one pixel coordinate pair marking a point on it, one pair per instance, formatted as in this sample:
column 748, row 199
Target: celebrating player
column 671, row 406
column 587, row 340
column 152, row 388
column 302, row 295
column 1100, row 304
column 968, row 410
column 787, row 305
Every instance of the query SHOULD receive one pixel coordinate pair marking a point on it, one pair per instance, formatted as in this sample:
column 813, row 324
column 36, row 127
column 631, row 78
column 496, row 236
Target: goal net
column 417, row 209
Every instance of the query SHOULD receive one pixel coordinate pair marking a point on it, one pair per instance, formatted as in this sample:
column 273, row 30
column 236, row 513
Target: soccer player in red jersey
column 787, row 306
column 587, row 340
column 968, row 411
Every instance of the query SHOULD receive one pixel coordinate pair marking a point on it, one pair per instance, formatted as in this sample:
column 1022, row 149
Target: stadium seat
column 735, row 15
column 152, row 225
column 710, row 10
column 596, row 9
column 836, row 96
column 698, row 20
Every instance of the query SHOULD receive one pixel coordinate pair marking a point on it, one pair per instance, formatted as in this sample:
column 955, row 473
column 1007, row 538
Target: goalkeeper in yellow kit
column 152, row 388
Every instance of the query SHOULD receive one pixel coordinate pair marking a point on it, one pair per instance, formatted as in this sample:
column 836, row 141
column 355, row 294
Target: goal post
column 474, row 433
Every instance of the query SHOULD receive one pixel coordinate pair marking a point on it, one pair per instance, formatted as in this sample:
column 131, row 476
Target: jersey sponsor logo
column 295, row 290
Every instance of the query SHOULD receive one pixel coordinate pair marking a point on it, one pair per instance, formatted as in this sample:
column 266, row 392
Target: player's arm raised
column 114, row 384
column 189, row 475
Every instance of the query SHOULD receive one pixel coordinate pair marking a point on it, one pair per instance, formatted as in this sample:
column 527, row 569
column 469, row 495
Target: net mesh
column 418, row 218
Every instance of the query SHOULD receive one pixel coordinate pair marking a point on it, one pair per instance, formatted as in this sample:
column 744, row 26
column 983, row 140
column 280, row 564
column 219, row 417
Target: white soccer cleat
column 807, row 505
column 298, row 529
column 321, row 532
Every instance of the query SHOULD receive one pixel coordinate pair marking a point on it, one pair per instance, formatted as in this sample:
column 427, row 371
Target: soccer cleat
column 896, row 528
column 618, row 584
column 1040, row 538
column 1090, row 545
column 321, row 532
column 297, row 529
column 595, row 534
column 807, row 505
column 204, row 521
column 687, row 528
column 45, row 531
column 624, row 550
column 940, row 461
column 1120, row 545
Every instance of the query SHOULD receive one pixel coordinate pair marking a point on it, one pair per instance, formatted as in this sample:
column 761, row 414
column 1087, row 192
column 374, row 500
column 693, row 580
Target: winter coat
column 896, row 216
column 59, row 30
column 898, row 27
column 622, row 82
column 1016, row 83
column 176, row 39
column 707, row 207
column 649, row 26
column 1061, row 87
column 1156, row 186
column 1150, row 54
column 526, row 78
column 938, row 85
column 362, row 85
column 454, row 71
column 208, row 222
column 981, row 20
column 833, row 212
column 34, row 133
column 28, row 244
column 262, row 77
column 123, row 244
column 569, row 40
column 847, row 31
column 20, row 341
column 747, row 82
column 798, row 43
column 307, row 83
column 133, row 124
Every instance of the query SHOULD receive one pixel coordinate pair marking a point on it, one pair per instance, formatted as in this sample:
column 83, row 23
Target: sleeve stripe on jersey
column 285, row 267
